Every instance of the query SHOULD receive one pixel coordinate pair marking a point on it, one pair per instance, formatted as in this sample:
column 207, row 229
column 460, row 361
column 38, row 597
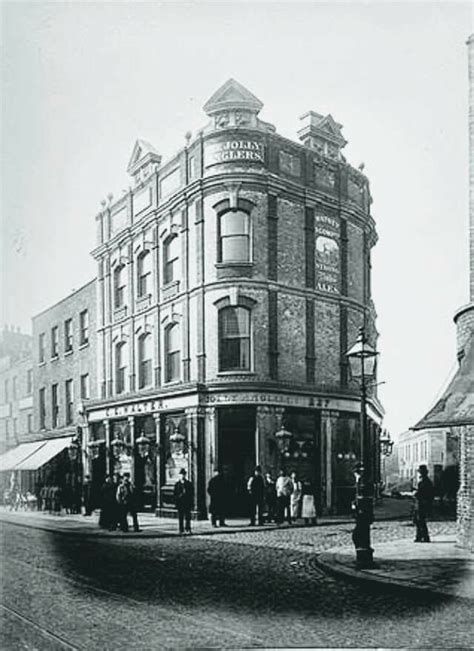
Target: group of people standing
column 270, row 500
column 118, row 500
column 287, row 498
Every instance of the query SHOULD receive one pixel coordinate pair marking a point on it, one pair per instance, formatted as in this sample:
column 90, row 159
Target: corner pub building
column 232, row 280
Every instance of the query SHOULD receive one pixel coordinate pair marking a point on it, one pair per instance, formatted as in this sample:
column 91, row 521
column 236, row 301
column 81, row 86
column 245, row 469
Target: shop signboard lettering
column 238, row 149
column 327, row 254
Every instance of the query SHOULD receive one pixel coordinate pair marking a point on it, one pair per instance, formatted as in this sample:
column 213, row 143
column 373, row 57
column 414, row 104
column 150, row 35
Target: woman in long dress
column 308, row 507
column 295, row 497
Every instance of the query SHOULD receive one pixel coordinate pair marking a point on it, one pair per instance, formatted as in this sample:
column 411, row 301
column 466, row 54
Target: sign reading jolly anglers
column 234, row 150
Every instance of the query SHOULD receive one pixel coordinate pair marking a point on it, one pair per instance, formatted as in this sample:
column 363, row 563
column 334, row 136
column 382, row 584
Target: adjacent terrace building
column 232, row 279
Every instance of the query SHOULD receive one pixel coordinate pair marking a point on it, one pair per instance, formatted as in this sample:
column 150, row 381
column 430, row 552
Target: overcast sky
column 82, row 81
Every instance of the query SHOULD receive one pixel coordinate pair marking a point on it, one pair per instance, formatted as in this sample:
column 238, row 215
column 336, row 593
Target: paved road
column 206, row 591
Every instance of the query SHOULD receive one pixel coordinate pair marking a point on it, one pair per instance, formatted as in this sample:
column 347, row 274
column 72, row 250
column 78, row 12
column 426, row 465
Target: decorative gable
column 322, row 133
column 232, row 96
column 144, row 156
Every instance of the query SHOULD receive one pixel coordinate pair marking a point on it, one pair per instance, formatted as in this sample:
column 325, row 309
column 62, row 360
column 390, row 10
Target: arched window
column 144, row 274
column 145, row 357
column 170, row 259
column 120, row 367
column 172, row 352
column 234, row 339
column 234, row 236
column 120, row 283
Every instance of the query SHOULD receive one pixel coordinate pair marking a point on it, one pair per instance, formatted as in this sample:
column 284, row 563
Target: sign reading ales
column 236, row 149
column 327, row 254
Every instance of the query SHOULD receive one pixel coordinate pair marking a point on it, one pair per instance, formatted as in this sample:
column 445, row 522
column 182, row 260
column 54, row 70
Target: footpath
column 439, row 568
column 152, row 526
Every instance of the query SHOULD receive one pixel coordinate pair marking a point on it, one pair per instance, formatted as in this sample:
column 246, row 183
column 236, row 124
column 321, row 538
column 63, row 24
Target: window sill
column 68, row 352
column 223, row 265
column 55, row 358
column 41, row 363
column 235, row 372
column 172, row 382
column 84, row 345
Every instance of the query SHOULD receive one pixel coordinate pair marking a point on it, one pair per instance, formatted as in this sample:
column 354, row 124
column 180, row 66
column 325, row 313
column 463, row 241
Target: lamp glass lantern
column 362, row 358
column 143, row 445
column 94, row 448
column 283, row 438
column 178, row 442
column 117, row 446
column 73, row 450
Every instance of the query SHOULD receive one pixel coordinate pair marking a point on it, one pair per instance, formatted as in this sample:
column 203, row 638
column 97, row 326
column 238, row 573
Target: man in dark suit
column 424, row 501
column 183, row 497
column 217, row 492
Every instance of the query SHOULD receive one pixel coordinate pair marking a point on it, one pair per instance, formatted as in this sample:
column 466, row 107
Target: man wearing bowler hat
column 424, row 501
column 183, row 497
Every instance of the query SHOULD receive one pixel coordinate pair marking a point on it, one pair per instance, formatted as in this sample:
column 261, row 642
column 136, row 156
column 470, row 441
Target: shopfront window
column 234, row 339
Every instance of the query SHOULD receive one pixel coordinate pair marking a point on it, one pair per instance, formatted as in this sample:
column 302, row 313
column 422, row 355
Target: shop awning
column 45, row 453
column 10, row 459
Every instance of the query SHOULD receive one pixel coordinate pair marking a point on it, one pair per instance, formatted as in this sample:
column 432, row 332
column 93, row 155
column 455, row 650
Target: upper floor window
column 54, row 405
column 234, row 237
column 41, row 348
column 29, row 381
column 14, row 387
column 234, row 339
column 42, row 408
column 144, row 273
column 6, row 391
column 69, row 401
column 29, row 420
column 67, row 335
column 120, row 284
column 83, row 327
column 120, row 366
column 85, row 389
column 144, row 360
column 170, row 259
column 172, row 353
column 54, row 342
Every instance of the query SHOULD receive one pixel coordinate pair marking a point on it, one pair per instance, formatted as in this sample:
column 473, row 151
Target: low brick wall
column 465, row 515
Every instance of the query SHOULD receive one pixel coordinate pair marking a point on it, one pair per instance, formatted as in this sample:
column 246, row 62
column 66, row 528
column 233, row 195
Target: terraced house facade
column 232, row 280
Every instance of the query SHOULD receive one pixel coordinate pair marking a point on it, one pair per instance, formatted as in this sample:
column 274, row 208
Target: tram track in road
column 213, row 624
column 49, row 635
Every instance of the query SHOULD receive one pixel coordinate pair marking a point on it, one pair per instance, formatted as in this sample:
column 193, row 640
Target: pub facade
column 232, row 280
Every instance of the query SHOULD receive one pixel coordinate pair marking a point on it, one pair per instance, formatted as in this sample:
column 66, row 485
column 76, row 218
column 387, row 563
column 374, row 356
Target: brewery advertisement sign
column 234, row 149
column 327, row 254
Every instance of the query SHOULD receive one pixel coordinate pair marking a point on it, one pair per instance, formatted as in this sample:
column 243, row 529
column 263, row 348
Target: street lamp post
column 362, row 358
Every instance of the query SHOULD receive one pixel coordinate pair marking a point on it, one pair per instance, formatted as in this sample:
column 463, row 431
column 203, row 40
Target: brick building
column 16, row 388
column 232, row 279
column 454, row 411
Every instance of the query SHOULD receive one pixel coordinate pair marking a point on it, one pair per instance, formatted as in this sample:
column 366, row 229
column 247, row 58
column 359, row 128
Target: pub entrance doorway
column 236, row 454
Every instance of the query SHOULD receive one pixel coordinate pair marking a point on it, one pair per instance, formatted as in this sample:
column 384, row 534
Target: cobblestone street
column 249, row 589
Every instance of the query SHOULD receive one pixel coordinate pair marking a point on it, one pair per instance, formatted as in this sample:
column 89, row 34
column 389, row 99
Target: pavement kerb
column 172, row 534
column 328, row 562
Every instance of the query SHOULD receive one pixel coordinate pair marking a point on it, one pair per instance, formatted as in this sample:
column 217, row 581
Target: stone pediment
column 232, row 95
column 142, row 154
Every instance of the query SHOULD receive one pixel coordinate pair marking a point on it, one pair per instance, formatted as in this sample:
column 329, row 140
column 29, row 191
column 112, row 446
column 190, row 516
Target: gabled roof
column 142, row 150
column 232, row 95
column 456, row 406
